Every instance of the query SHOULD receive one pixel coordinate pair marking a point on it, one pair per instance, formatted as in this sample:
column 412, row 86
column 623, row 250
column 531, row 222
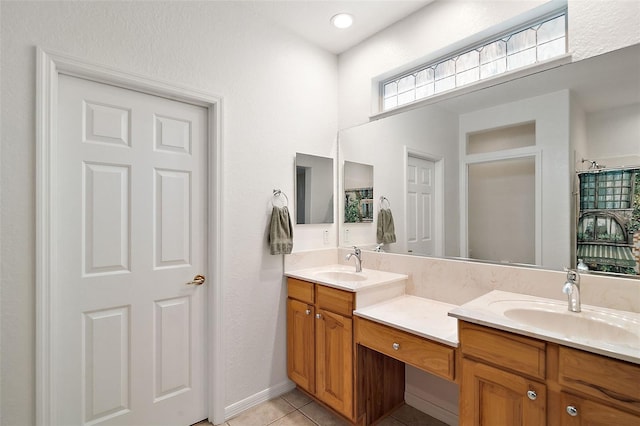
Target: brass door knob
column 197, row 280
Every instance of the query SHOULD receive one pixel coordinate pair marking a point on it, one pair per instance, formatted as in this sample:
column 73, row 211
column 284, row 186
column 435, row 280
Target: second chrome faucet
column 572, row 289
column 356, row 254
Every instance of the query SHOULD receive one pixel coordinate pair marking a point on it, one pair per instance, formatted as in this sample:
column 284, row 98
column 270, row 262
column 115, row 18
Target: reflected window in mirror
column 314, row 189
column 358, row 192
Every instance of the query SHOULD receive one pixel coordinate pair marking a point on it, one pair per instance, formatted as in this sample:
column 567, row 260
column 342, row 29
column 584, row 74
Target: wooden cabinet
column 502, row 378
column 492, row 396
column 334, row 362
column 301, row 344
column 320, row 353
column 570, row 387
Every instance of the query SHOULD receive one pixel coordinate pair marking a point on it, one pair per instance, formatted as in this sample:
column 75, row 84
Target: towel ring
column 382, row 200
column 277, row 193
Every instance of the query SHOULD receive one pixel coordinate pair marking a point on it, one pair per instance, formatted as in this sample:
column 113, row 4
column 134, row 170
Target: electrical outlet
column 325, row 236
column 346, row 236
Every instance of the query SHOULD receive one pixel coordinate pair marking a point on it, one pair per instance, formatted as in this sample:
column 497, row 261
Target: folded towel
column 280, row 231
column 386, row 230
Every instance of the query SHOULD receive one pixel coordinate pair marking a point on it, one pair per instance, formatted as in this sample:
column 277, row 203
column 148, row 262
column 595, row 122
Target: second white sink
column 571, row 324
column 609, row 332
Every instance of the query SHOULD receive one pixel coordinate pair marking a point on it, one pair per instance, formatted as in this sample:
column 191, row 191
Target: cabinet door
column 301, row 344
column 582, row 412
column 334, row 361
column 490, row 397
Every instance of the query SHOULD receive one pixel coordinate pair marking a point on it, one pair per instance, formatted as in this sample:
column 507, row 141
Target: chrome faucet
column 572, row 289
column 356, row 253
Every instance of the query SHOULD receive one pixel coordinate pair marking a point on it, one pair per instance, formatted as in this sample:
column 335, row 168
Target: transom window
column 543, row 40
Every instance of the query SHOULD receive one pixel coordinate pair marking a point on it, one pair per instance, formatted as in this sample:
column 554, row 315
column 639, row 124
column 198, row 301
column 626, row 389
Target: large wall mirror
column 506, row 161
column 314, row 189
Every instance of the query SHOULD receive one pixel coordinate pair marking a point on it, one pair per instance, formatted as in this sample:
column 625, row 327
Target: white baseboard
column 431, row 409
column 258, row 398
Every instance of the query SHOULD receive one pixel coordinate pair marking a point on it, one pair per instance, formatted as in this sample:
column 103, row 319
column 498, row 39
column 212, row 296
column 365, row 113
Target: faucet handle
column 356, row 250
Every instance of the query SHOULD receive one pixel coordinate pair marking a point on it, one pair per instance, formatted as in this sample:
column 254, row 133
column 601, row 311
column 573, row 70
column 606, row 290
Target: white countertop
column 424, row 317
column 366, row 279
column 621, row 341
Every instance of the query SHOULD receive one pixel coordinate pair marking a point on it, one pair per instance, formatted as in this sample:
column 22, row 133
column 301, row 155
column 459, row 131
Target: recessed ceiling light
column 342, row 20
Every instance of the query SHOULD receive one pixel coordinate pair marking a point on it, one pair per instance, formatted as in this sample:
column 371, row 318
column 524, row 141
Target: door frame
column 439, row 231
column 49, row 66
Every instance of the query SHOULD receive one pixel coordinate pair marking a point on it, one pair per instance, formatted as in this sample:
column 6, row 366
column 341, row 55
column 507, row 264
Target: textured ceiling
column 310, row 19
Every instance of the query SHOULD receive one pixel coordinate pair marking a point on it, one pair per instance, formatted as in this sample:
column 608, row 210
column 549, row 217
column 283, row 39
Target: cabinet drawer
column 591, row 413
column 406, row 347
column 300, row 290
column 606, row 378
column 520, row 354
column 334, row 300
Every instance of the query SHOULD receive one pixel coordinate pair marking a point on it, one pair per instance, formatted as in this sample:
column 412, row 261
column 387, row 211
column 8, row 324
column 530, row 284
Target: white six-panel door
column 420, row 206
column 128, row 334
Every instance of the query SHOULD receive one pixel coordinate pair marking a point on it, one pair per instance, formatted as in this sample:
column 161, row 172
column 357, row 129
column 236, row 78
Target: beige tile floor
column 297, row 409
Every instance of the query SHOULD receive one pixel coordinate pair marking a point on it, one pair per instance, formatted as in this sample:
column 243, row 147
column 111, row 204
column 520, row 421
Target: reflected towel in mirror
column 280, row 231
column 386, row 231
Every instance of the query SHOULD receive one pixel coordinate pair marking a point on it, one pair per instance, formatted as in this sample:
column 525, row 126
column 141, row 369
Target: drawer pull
column 318, row 316
column 308, row 312
column 395, row 346
column 572, row 411
column 532, row 395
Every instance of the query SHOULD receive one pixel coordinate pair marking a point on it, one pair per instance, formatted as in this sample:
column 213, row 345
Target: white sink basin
column 605, row 331
column 341, row 276
column 345, row 277
column 606, row 328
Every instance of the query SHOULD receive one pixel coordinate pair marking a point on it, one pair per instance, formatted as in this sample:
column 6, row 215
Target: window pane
column 551, row 30
column 467, row 61
column 445, row 69
column 406, row 97
column 424, row 77
column 389, row 103
column 406, row 83
column 424, row 91
column 467, row 77
column 551, row 49
column 493, row 51
column 525, row 57
column 390, row 89
column 521, row 41
column 445, row 84
column 493, row 68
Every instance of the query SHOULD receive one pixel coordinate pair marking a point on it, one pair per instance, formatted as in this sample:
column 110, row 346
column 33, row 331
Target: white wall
column 279, row 97
column 613, row 136
column 597, row 26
